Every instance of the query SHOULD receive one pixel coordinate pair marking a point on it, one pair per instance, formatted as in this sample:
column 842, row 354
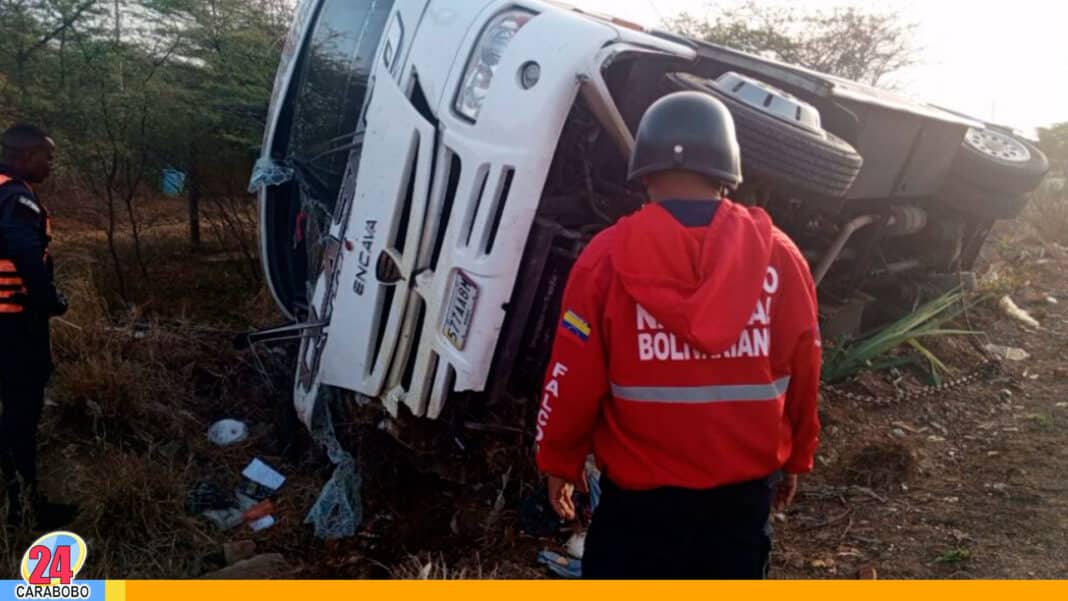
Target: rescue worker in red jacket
column 28, row 298
column 687, row 361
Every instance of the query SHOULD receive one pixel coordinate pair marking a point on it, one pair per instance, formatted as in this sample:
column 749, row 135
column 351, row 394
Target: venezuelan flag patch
column 576, row 325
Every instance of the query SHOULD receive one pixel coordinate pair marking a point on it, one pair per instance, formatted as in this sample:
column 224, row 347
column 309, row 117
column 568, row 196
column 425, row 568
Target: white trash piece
column 1008, row 352
column 576, row 545
column 224, row 519
column 1011, row 309
column 227, row 432
column 262, row 524
column 259, row 472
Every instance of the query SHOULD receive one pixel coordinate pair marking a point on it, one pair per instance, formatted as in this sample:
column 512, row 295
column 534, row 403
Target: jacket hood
column 701, row 282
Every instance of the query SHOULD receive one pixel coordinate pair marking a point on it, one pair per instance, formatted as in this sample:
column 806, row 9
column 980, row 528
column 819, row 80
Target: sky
column 1005, row 62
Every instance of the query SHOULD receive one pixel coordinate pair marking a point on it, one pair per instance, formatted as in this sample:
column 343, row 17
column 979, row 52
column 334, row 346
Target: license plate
column 460, row 310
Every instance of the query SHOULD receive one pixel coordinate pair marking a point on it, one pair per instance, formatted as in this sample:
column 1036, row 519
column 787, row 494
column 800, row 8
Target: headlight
column 482, row 65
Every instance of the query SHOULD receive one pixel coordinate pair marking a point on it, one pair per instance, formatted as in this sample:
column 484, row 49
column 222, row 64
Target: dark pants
column 25, row 365
column 680, row 534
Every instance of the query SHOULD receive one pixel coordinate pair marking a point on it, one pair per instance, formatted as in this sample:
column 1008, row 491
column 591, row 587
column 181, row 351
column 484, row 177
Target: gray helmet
column 690, row 131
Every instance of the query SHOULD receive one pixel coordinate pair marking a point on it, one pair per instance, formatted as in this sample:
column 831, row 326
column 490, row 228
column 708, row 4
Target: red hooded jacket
column 688, row 352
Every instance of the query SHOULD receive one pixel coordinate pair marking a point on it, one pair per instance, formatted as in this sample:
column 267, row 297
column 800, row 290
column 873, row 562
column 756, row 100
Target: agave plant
column 843, row 360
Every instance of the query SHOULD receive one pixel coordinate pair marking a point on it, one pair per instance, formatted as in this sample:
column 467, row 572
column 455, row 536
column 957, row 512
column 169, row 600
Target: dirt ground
column 966, row 484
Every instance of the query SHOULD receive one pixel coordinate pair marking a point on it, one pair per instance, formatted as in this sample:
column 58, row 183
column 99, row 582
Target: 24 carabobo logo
column 50, row 565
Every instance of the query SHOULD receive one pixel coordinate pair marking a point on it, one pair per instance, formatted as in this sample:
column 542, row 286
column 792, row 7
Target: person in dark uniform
column 28, row 298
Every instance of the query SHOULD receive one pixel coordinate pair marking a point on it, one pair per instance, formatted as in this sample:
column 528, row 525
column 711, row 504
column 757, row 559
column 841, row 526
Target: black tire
column 783, row 152
column 998, row 176
column 972, row 199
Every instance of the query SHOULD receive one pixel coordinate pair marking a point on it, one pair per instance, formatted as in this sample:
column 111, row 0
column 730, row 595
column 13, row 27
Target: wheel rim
column 769, row 100
column 998, row 145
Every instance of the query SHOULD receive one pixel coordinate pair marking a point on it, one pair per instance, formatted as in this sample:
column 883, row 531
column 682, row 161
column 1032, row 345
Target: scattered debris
column 898, row 433
column 257, row 515
column 576, row 545
column 262, row 524
column 1007, row 352
column 259, row 483
column 261, row 480
column 563, row 567
column 226, row 432
column 1012, row 310
column 250, row 503
column 224, row 519
column 1050, row 300
column 205, row 496
column 537, row 518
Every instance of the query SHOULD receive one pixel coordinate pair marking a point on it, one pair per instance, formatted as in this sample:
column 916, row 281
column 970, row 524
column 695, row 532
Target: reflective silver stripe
column 702, row 394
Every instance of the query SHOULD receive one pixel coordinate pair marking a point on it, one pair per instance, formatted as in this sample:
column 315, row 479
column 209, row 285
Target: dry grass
column 133, row 516
column 436, row 567
column 134, row 391
column 1015, row 247
column 134, row 379
column 429, row 567
column 125, row 438
column 1047, row 214
column 136, row 386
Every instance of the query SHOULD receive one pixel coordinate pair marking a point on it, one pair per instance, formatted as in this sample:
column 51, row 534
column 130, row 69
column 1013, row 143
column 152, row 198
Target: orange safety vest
column 11, row 283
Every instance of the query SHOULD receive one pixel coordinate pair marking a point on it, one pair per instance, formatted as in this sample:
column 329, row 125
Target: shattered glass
column 312, row 223
column 267, row 173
